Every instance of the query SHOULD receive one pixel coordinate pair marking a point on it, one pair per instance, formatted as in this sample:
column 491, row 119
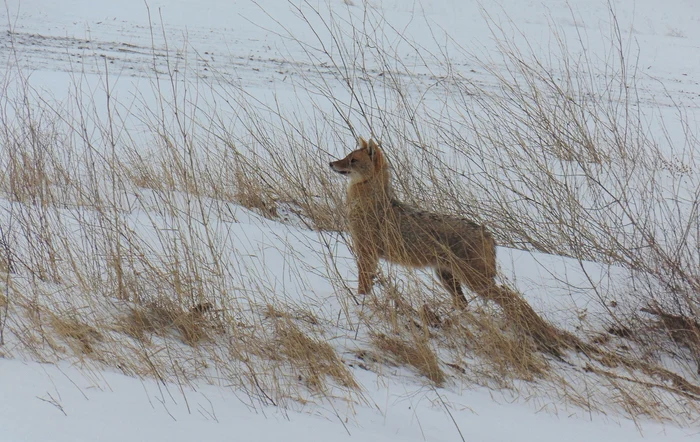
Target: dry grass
column 506, row 352
column 150, row 173
column 416, row 353
column 148, row 234
column 251, row 193
column 80, row 336
column 165, row 317
column 312, row 359
column 5, row 263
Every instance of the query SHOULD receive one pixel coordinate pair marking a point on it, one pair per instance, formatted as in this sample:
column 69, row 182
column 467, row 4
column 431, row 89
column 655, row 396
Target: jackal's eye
column 353, row 161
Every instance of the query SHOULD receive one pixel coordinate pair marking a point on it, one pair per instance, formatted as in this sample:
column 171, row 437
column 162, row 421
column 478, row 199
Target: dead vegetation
column 165, row 317
column 415, row 353
column 314, row 360
column 80, row 336
column 149, row 254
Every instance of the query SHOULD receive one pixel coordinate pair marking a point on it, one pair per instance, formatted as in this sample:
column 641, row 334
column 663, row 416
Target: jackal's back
column 419, row 238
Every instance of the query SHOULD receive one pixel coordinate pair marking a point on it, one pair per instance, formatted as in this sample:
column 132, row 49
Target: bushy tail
column 553, row 340
column 518, row 312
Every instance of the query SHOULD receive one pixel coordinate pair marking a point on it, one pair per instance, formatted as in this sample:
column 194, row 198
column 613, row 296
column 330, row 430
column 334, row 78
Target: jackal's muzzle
column 336, row 168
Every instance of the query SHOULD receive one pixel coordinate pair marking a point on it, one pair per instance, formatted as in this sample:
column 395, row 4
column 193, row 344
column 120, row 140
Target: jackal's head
column 364, row 163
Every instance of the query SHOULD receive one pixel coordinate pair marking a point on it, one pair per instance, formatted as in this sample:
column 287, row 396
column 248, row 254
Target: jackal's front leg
column 367, row 262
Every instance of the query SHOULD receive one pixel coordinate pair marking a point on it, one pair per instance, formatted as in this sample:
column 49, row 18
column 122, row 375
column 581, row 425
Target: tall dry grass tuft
column 314, row 360
column 164, row 317
column 416, row 353
column 80, row 336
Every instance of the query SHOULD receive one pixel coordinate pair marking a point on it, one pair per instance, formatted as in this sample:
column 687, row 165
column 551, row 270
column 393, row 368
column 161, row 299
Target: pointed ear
column 373, row 148
column 362, row 143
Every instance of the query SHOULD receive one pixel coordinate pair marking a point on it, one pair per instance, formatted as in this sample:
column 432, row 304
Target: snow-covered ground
column 60, row 46
column 61, row 403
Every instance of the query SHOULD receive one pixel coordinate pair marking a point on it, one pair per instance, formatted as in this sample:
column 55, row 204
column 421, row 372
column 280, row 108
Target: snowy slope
column 59, row 44
column 60, row 403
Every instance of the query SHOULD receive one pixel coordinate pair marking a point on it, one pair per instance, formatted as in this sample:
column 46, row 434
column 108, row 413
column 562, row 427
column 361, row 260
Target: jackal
column 381, row 226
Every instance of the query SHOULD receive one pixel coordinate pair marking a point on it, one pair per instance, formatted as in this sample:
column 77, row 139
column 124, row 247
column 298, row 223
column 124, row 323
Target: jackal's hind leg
column 451, row 283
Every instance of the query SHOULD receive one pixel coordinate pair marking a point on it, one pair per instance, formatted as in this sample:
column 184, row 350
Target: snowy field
column 47, row 403
column 131, row 82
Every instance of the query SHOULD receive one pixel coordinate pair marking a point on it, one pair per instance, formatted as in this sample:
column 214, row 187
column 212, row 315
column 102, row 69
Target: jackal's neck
column 377, row 186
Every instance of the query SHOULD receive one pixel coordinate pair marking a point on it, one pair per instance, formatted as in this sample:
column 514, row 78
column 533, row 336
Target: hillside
column 174, row 262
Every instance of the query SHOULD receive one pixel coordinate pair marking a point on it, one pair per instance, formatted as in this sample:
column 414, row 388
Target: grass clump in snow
column 416, row 353
column 314, row 360
column 81, row 337
column 164, row 317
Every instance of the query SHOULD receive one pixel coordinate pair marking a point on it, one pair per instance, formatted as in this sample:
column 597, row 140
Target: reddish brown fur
column 459, row 250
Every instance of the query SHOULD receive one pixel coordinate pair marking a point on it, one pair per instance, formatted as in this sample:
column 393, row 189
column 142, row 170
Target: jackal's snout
column 337, row 167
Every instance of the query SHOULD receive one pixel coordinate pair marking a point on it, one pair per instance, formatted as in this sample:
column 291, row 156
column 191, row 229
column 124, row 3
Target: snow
column 69, row 44
column 62, row 403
